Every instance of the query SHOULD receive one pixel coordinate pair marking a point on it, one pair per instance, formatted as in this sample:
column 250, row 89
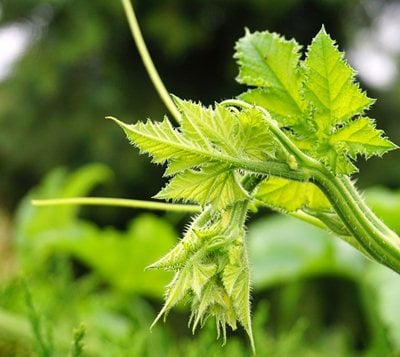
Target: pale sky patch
column 14, row 39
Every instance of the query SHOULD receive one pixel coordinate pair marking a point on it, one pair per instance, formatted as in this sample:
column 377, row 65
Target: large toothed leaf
column 163, row 142
column 269, row 61
column 291, row 195
column 329, row 84
column 310, row 98
column 214, row 184
column 361, row 137
column 235, row 134
column 206, row 135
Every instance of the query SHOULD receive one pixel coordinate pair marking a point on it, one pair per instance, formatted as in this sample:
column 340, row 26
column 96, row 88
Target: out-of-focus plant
column 286, row 255
column 119, row 258
column 289, row 144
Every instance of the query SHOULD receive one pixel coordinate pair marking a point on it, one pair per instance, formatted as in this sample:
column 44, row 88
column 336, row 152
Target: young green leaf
column 291, row 196
column 329, row 85
column 269, row 61
column 213, row 184
column 236, row 280
column 323, row 123
column 206, row 152
column 163, row 142
column 361, row 137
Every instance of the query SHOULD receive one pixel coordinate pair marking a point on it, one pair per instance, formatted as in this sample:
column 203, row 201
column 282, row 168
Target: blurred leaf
column 118, row 257
column 384, row 282
column 121, row 258
column 386, row 204
column 31, row 220
column 283, row 249
column 385, row 285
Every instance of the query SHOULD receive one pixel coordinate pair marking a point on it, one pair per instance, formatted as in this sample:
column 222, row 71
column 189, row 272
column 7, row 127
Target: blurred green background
column 64, row 66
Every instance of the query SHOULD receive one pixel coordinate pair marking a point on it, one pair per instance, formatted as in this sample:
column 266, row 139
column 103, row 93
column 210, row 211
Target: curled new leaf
column 213, row 275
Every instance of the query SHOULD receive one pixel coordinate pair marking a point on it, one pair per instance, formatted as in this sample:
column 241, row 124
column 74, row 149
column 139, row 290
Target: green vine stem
column 374, row 238
column 118, row 202
column 356, row 195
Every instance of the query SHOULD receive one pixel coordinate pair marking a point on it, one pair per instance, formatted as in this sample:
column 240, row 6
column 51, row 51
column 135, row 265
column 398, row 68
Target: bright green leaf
column 201, row 274
column 208, row 127
column 269, row 61
column 215, row 184
column 361, row 137
column 286, row 112
column 329, row 84
column 291, row 195
column 163, row 142
column 236, row 280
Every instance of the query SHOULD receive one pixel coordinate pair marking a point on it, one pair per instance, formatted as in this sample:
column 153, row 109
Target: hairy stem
column 372, row 236
column 359, row 220
column 371, row 216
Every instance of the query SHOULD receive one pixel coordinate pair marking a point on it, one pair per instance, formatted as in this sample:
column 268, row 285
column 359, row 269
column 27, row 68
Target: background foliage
column 80, row 66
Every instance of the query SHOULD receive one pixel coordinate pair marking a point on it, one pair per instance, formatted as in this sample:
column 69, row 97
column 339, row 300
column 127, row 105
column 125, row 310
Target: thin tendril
column 147, row 61
column 120, row 202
